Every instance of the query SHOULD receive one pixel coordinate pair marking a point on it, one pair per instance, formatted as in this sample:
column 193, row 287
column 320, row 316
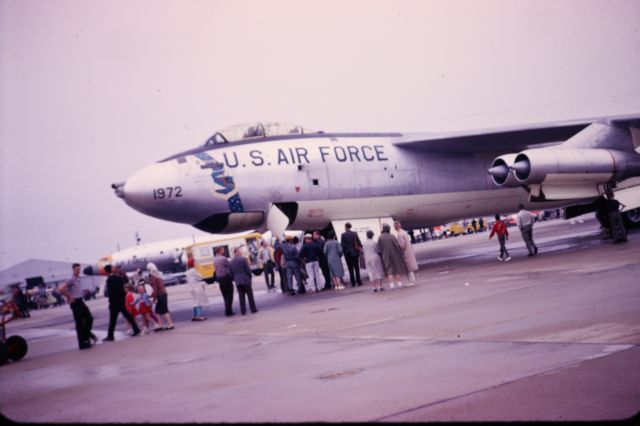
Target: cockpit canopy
column 243, row 132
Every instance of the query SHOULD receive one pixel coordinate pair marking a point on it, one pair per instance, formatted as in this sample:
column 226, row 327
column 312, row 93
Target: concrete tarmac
column 550, row 337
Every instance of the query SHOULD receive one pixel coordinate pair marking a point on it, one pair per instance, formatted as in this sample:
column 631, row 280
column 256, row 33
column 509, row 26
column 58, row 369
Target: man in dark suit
column 117, row 294
column 324, row 265
column 241, row 273
column 224, row 277
column 351, row 246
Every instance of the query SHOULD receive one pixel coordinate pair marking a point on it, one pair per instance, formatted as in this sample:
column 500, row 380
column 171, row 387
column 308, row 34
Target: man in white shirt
column 526, row 220
column 266, row 259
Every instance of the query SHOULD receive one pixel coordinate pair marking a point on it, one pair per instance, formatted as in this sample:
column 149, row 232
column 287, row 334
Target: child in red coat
column 129, row 304
column 500, row 229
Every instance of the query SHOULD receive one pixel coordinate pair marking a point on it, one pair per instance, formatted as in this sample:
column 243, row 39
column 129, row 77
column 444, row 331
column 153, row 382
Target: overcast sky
column 91, row 91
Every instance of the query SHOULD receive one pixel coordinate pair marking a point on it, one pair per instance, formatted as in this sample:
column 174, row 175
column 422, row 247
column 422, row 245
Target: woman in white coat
column 373, row 262
column 407, row 251
column 197, row 288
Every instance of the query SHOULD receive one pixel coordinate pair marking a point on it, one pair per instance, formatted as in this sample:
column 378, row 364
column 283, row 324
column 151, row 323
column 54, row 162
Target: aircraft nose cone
column 172, row 191
column 154, row 190
column 139, row 188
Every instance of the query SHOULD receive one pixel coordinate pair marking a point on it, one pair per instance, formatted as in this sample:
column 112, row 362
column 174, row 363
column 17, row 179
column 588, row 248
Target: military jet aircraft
column 278, row 176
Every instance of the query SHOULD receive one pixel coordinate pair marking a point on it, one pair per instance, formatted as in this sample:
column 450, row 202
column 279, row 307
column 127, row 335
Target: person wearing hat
column 197, row 289
column 311, row 254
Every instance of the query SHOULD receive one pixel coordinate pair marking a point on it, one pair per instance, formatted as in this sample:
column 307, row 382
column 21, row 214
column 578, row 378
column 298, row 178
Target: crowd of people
column 147, row 298
column 40, row 297
column 131, row 298
column 313, row 265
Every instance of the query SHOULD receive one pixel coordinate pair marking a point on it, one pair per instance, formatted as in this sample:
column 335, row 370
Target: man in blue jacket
column 292, row 266
column 311, row 253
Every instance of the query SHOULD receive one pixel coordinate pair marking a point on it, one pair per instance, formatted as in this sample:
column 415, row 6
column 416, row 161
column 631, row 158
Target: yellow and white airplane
column 169, row 256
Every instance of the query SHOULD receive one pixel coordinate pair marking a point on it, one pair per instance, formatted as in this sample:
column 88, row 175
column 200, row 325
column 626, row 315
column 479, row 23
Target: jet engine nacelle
column 557, row 165
column 500, row 171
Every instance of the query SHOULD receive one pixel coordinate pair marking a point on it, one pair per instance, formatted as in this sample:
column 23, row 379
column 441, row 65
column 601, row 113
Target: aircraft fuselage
column 317, row 178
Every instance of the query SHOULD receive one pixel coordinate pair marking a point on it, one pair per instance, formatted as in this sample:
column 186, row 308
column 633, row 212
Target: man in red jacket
column 500, row 229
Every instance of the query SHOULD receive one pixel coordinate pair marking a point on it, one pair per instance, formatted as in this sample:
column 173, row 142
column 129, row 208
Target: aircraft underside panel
column 361, row 226
column 416, row 210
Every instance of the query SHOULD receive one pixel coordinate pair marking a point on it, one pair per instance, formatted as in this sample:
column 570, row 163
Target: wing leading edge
column 505, row 139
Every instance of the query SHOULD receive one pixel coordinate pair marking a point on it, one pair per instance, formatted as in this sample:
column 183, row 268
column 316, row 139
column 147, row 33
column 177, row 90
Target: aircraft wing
column 508, row 139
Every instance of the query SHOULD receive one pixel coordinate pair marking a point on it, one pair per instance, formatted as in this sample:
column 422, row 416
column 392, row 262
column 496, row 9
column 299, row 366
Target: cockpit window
column 255, row 130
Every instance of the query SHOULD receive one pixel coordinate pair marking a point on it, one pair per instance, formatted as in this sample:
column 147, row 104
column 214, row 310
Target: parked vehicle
column 13, row 347
column 203, row 253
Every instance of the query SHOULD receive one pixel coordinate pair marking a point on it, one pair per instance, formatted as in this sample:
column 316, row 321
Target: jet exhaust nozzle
column 500, row 171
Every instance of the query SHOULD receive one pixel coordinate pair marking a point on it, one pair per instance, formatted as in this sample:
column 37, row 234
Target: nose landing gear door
column 277, row 221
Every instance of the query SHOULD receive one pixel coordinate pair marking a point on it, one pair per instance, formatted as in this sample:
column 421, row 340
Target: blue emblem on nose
column 226, row 182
